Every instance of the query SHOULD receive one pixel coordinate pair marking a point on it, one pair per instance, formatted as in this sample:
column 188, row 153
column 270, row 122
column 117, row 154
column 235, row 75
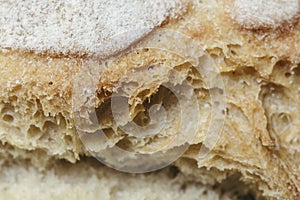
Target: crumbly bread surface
column 260, row 70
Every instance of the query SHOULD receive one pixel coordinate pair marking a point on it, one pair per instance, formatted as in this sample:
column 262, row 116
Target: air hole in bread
column 173, row 172
column 8, row 113
column 68, row 139
column 37, row 115
column 8, row 118
column 34, row 132
column 49, row 126
column 7, row 109
column 287, row 74
column 282, row 63
column 233, row 49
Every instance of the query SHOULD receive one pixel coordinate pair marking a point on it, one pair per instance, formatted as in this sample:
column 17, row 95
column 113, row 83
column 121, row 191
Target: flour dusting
column 79, row 26
column 264, row 13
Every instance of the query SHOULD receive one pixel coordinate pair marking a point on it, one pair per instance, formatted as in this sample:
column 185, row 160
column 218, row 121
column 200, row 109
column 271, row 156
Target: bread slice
column 260, row 72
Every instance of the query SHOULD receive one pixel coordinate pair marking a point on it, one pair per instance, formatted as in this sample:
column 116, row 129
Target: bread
column 46, row 92
column 86, row 180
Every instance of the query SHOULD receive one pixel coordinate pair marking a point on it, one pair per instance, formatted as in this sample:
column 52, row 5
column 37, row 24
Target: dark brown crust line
column 284, row 29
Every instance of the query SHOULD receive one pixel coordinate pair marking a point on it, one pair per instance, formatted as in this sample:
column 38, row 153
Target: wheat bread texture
column 259, row 68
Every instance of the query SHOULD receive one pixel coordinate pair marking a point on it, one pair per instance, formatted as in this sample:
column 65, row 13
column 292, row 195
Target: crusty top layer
column 85, row 27
column 264, row 14
column 78, row 26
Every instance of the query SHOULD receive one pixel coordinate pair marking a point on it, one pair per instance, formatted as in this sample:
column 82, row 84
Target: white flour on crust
column 79, row 26
column 264, row 13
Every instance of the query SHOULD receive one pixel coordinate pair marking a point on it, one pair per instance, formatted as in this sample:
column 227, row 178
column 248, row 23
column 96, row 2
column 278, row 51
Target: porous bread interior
column 261, row 76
